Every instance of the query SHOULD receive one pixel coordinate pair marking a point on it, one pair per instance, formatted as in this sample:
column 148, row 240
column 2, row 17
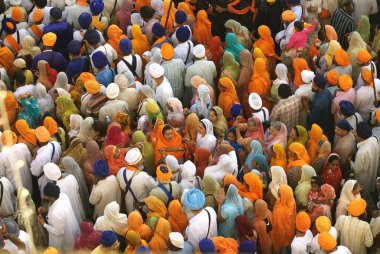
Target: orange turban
column 17, row 14
column 42, row 134
column 49, row 39
column 163, row 172
column 92, row 86
column 303, row 221
column 342, row 58
column 167, row 51
column 364, row 56
column 345, row 82
column 51, row 250
column 8, row 138
column 323, row 224
column 86, row 76
column 51, row 125
column 357, row 207
column 333, row 77
column 288, row 16
column 38, row 15
column 378, row 115
column 326, row 241
column 367, row 76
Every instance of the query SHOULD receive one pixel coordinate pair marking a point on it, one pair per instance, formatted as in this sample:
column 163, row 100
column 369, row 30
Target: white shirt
column 122, row 68
column 305, row 90
column 198, row 227
column 301, row 245
column 364, row 7
column 297, row 11
column 46, row 19
column 364, row 101
column 263, row 117
column 108, row 51
column 315, row 248
column 22, row 34
column 181, row 50
column 7, row 205
column 74, row 12
column 23, row 89
column 111, row 107
column 341, row 250
column 164, row 92
column 23, row 236
column 77, row 35
column 174, row 37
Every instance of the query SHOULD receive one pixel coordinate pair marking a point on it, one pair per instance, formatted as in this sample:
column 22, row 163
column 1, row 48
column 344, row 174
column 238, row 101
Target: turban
column 92, row 36
column 364, row 56
column 92, row 86
column 180, row 17
column 51, row 250
column 156, row 70
column 158, row 30
column 183, row 33
column 8, row 138
column 235, row 110
column 194, row 199
column 163, row 172
column 367, row 76
column 323, row 224
column 333, row 77
column 319, row 81
column 56, row 13
column 19, row 63
column 199, row 51
column 52, row 171
column 167, row 51
column 206, row 246
column 112, row 91
column 42, row 134
column 125, row 46
column 74, row 47
column 307, row 76
column 326, row 241
column 101, row 168
column 8, row 25
column 342, row 58
column 177, row 240
column 255, row 101
column 17, row 14
column 108, row 238
column 121, row 81
column 99, row 59
column 344, row 125
column 86, row 76
column 51, row 190
column 96, row 7
column 345, row 82
column 303, row 221
column 133, row 156
column 378, row 115
column 38, row 15
column 49, row 39
column 288, row 16
column 247, row 247
column 363, row 130
column 85, row 20
column 347, row 108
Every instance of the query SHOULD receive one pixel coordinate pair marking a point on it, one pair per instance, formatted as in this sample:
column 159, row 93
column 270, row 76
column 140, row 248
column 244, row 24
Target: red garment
column 201, row 156
column 89, row 238
column 216, row 50
column 334, row 178
column 258, row 133
column 115, row 136
column 244, row 227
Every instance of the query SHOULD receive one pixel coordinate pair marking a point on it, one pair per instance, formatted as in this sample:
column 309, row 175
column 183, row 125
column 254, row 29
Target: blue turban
column 56, row 13
column 101, row 168
column 180, row 17
column 108, row 238
column 363, row 130
column 99, row 59
column 96, row 7
column 183, row 33
column 247, row 247
column 206, row 246
column 158, row 30
column 344, row 125
column 347, row 108
column 92, row 36
column 74, row 47
column 8, row 25
column 235, row 110
column 85, row 20
column 320, row 81
column 125, row 46
column 143, row 250
column 194, row 199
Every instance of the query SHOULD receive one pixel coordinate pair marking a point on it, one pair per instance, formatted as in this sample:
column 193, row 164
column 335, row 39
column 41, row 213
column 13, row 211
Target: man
column 177, row 244
column 96, row 101
column 303, row 237
column 159, row 34
column 288, row 18
column 113, row 105
column 40, row 4
column 323, row 224
column 85, row 20
column 174, row 70
column 128, row 93
column 180, row 20
column 203, row 222
column 147, row 13
column 327, row 242
column 19, row 66
column 78, row 63
column 364, row 8
column 342, row 63
column 99, row 21
column 35, row 29
column 131, row 64
column 344, row 93
column 347, row 112
column 345, row 143
column 105, row 190
column 22, row 87
column 343, row 22
column 287, row 110
column 364, row 62
column 13, row 37
column 184, row 49
column 105, row 74
column 55, row 59
column 296, row 7
column 365, row 97
column 75, row 11
column 109, row 244
column 167, row 190
column 60, row 221
column 47, row 152
column 134, row 182
column 353, row 232
column 320, row 110
column 161, row 84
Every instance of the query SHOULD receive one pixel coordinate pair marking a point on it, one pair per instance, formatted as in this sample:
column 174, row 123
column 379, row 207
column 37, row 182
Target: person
column 350, row 191
column 108, row 244
column 323, row 225
column 364, row 62
column 345, row 93
column 177, row 218
column 105, row 75
column 166, row 190
column 303, row 236
column 262, row 224
column 261, row 76
column 131, row 64
column 177, row 244
column 205, row 136
column 348, row 112
column 111, row 219
column 331, row 173
column 365, row 97
column 345, row 143
column 158, row 243
column 343, row 22
column 226, row 164
column 113, row 105
column 228, row 96
column 298, row 157
column 164, row 90
column 304, row 185
column 328, row 243
column 89, row 238
column 168, row 142
column 6, row 206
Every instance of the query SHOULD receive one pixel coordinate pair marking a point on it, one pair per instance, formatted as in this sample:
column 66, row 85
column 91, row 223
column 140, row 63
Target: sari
column 302, row 156
column 266, row 42
column 364, row 28
column 356, row 44
column 147, row 151
column 31, row 112
column 44, row 99
column 244, row 227
column 301, row 136
column 115, row 136
column 177, row 218
column 115, row 35
column 124, row 14
column 76, row 151
column 278, row 178
column 233, row 46
column 316, row 134
column 156, row 207
column 167, row 145
column 332, row 176
column 136, row 223
column 46, row 75
column 89, row 238
column 280, row 137
column 169, row 25
column 281, row 72
column 299, row 65
column 260, row 82
column 202, row 28
column 220, row 125
column 158, row 244
column 240, row 31
column 27, row 135
column 256, row 148
column 280, row 156
column 304, row 185
column 284, row 219
column 255, row 187
column 140, row 42
column 228, row 97
column 93, row 154
column 6, row 59
column 230, row 65
column 262, row 216
column 257, row 53
column 11, row 106
column 216, row 49
column 66, row 107
column 211, row 188
column 86, row 131
column 201, row 157
column 115, row 159
column 258, row 132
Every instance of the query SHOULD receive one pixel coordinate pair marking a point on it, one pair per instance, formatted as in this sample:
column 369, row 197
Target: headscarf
column 203, row 103
column 282, row 74
column 62, row 82
column 233, row 46
column 278, row 179
column 201, row 156
column 28, row 47
column 124, row 14
column 261, row 160
column 31, row 112
column 183, row 6
column 46, row 75
column 244, row 227
column 304, row 185
column 208, row 140
column 158, row 244
column 316, row 134
column 75, row 123
column 346, row 196
column 112, row 218
column 45, row 101
column 26, row 133
column 202, row 28
column 220, row 125
column 177, row 218
column 232, row 207
column 225, row 245
column 114, row 164
column 260, row 81
column 299, row 65
column 302, row 138
column 231, row 65
column 266, row 43
column 66, row 107
column 89, row 238
column 197, row 81
column 191, row 126
column 324, row 149
column 115, row 35
column 211, row 187
column 162, row 143
column 240, row 31
column 147, row 150
column 330, row 53
column 134, row 242
column 364, row 28
column 356, row 44
column 256, row 148
column 330, row 33
column 333, row 178
column 156, row 207
column 255, row 190
column 257, row 53
column 93, row 152
column 171, row 18
column 262, row 217
column 140, row 42
column 280, row 156
column 246, row 67
column 136, row 224
column 258, row 133
column 11, row 104
column 115, row 136
column 302, row 156
column 51, row 125
column 228, row 97
column 279, row 138
column 86, row 132
column 216, row 49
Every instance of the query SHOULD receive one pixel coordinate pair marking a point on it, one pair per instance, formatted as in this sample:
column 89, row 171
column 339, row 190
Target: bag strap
column 209, row 222
column 373, row 81
column 130, row 67
column 356, row 120
column 188, row 52
column 52, row 154
column 113, row 10
column 18, row 37
column 128, row 183
column 265, row 115
column 167, row 192
column 2, row 192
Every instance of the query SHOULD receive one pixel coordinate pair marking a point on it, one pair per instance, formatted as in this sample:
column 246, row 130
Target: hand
column 210, row 159
column 252, row 238
column 40, row 219
column 42, row 209
column 220, row 197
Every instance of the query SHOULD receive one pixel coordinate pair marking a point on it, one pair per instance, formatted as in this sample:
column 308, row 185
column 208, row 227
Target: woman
column 140, row 42
column 282, row 78
column 29, row 50
column 316, row 134
column 147, row 150
column 134, row 241
column 262, row 224
column 233, row 46
column 211, row 188
column 168, row 17
column 203, row 103
column 61, row 82
column 205, row 136
column 227, row 164
column 257, row 53
column 323, row 152
column 298, row 157
column 27, row 135
column 260, row 82
column 260, row 163
column 86, row 131
column 278, row 176
column 115, row 35
column 10, row 103
column 115, row 158
column 256, row 148
column 240, row 31
column 75, row 123
column 299, row 65
column 65, row 108
column 160, row 239
column 230, row 68
column 219, row 122
column 326, row 202
column 216, row 50
column 183, row 6
column 44, row 100
column 278, row 156
column 266, row 44
column 276, row 134
column 355, row 45
column 135, row 223
column 29, row 111
column 157, row 210
column 168, row 142
column 46, row 75
column 228, row 96
column 89, row 238
column 284, row 219
column 330, row 34
column 93, row 154
column 76, row 151
column 57, row 133
column 246, row 71
column 244, row 227
column 364, row 28
column 124, row 14
column 304, row 185
column 177, row 218
column 115, row 136
column 253, row 187
column 254, row 131
column 297, row 134
column 201, row 158
column 196, row 81
column 202, row 28
column 331, row 173
column 112, row 219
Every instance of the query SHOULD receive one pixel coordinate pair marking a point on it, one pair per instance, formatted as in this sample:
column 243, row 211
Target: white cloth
column 164, row 92
column 346, row 196
column 7, row 204
column 122, row 68
column 341, row 250
column 112, row 219
column 25, row 238
column 181, row 52
column 278, row 179
column 46, row 19
column 315, row 248
column 364, row 101
column 227, row 164
column 108, row 51
column 77, row 35
column 297, row 9
column 111, row 107
column 204, row 68
column 189, row 179
column 284, row 36
column 353, row 121
column 44, row 100
column 263, row 117
column 22, row 33
column 364, row 7
column 23, row 89
column 74, row 12
column 301, row 245
column 208, row 141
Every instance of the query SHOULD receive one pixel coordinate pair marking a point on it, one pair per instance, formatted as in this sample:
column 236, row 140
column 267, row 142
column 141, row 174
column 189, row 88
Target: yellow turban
column 86, row 76
column 342, row 58
column 357, row 207
column 333, row 77
column 17, row 14
column 163, row 172
column 326, row 241
column 364, row 56
column 303, row 221
column 38, row 15
column 42, row 134
column 152, row 107
column 8, row 138
column 323, row 224
column 92, row 86
column 50, row 250
column 367, row 76
column 288, row 16
column 345, row 82
column 167, row 51
column 49, row 39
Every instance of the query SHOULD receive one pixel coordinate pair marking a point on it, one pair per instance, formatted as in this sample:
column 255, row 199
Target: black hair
column 333, row 158
column 101, row 127
column 19, row 78
column 147, row 12
column 317, row 180
column 2, row 7
column 40, row 3
column 214, row 111
column 296, row 130
column 203, row 124
column 298, row 25
column 233, row 131
column 226, row 188
column 284, row 91
column 166, row 127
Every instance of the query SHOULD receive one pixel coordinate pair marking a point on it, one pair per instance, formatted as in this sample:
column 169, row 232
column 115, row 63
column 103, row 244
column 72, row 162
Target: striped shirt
column 343, row 24
column 175, row 73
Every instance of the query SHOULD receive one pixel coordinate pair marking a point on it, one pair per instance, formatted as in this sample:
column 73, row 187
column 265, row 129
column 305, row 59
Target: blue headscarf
column 234, row 144
column 233, row 46
column 263, row 163
column 256, row 148
column 31, row 113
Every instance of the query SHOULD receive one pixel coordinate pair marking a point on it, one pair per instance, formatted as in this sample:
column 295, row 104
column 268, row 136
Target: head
column 213, row 116
column 284, row 91
column 168, row 132
column 147, row 13
column 19, row 79
column 316, row 183
column 232, row 135
column 318, row 84
column 357, row 189
column 201, row 128
column 298, row 25
column 294, row 133
column 51, row 193
column 334, row 162
column 348, row 6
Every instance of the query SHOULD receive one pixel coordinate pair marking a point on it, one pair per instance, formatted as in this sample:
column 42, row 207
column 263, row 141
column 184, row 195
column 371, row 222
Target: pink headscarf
column 279, row 138
column 259, row 132
column 124, row 14
column 89, row 238
column 115, row 136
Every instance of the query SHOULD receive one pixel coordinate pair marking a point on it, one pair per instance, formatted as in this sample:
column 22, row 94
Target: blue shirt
column 64, row 34
column 105, row 76
column 187, row 249
column 76, row 67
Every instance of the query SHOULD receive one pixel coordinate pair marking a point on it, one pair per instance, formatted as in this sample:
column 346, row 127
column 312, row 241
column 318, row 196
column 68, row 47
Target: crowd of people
column 150, row 126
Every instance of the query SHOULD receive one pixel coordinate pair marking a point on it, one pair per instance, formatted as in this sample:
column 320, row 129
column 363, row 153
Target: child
column 232, row 139
column 236, row 115
column 315, row 194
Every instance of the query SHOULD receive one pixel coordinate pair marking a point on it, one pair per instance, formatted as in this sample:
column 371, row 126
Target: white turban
column 52, row 171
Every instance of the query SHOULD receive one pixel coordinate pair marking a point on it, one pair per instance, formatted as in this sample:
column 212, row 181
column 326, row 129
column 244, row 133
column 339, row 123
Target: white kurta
column 364, row 101
column 198, row 227
column 7, row 204
column 164, row 92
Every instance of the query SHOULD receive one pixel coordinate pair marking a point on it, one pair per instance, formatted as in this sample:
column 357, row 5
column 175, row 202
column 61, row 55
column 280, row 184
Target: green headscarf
column 302, row 136
column 231, row 65
column 153, row 110
column 67, row 107
column 147, row 151
column 364, row 28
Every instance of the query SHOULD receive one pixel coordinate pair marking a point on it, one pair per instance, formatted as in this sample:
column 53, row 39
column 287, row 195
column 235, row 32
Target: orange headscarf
column 114, row 164
column 299, row 65
column 162, row 143
column 136, row 223
column 367, row 76
column 156, row 207
column 183, row 6
column 11, row 106
column 316, row 134
column 140, row 42
column 158, row 244
column 260, row 81
column 342, row 58
column 177, row 218
column 230, row 179
column 266, row 43
column 225, row 245
column 115, row 35
column 227, row 98
column 255, row 190
column 302, row 156
column 280, row 157
column 140, row 3
column 202, row 28
column 258, row 53
column 26, row 133
column 331, row 33
column 171, row 18
column 8, row 138
column 51, row 125
column 6, row 59
column 284, row 218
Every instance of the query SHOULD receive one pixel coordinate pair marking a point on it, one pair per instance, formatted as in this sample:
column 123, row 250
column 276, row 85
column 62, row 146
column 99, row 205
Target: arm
column 95, row 196
column 368, row 237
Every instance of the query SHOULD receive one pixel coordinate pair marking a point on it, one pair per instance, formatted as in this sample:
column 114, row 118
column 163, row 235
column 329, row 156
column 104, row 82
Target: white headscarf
column 86, row 132
column 44, row 100
column 62, row 82
column 225, row 165
column 209, row 140
column 307, row 76
column 278, row 179
column 112, row 219
column 204, row 97
column 157, row 5
column 156, row 57
column 63, row 92
column 136, row 19
column 346, row 196
column 75, row 124
column 282, row 74
column 188, row 176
